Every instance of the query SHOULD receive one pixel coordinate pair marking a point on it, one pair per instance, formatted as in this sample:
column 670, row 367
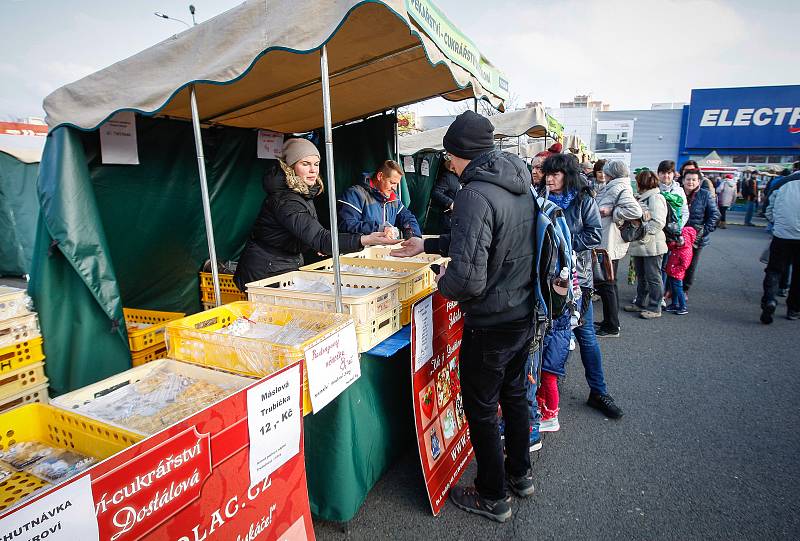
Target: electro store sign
column 755, row 117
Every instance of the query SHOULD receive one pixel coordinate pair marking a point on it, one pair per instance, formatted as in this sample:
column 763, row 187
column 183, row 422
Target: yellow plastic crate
column 209, row 305
column 364, row 308
column 20, row 354
column 17, row 487
column 19, row 329
column 412, row 278
column 406, row 306
column 159, row 351
column 378, row 330
column 141, row 339
column 21, row 380
column 227, row 289
column 52, row 426
column 207, row 295
column 194, row 339
column 32, row 395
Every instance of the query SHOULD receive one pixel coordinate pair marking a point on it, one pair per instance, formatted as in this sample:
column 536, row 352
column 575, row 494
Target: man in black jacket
column 491, row 247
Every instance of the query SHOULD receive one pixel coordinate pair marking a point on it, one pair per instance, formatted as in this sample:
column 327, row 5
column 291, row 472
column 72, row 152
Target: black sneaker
column 766, row 312
column 792, row 315
column 605, row 403
column 783, row 293
column 521, row 486
column 468, row 499
column 605, row 333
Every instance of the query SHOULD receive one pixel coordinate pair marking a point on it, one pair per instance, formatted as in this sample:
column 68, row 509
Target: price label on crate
column 274, row 414
column 332, row 366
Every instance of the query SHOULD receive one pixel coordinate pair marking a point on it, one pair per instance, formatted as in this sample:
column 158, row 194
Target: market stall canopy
column 27, row 149
column 251, row 67
column 713, row 163
column 531, row 121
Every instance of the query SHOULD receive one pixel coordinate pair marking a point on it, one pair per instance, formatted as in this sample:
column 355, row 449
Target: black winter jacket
column 443, row 194
column 703, row 215
column 583, row 220
column 286, row 226
column 491, row 245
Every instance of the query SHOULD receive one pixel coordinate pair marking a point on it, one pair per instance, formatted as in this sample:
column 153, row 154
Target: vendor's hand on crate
column 410, row 248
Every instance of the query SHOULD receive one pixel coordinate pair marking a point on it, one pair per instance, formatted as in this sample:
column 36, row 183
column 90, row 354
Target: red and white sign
column 191, row 482
column 442, row 431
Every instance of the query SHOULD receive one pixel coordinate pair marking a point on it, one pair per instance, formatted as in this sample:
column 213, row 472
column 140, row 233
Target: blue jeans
column 532, row 369
column 751, row 209
column 678, row 298
column 591, row 357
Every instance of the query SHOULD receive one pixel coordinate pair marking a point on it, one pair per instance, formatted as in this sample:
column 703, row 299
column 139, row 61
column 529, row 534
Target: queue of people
column 492, row 199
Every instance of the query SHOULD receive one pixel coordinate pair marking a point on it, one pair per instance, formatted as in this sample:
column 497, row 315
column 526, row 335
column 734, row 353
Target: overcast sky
column 629, row 53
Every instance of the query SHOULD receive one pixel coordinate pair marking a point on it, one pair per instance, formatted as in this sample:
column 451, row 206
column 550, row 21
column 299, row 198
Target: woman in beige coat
column 617, row 204
column 648, row 252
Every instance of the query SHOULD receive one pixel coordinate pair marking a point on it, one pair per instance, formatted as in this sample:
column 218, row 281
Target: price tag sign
column 408, row 164
column 270, row 144
column 273, row 422
column 118, row 140
column 425, row 169
column 332, row 366
column 66, row 514
column 423, row 333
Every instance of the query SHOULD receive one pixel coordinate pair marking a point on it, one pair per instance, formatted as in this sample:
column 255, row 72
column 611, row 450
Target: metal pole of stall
column 326, row 109
column 519, row 150
column 201, row 167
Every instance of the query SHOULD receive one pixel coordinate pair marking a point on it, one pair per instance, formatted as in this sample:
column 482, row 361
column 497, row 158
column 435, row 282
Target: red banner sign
column 191, row 482
column 442, row 431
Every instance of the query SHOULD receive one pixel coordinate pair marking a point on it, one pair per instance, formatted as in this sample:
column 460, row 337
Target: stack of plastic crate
column 146, row 333
column 22, row 377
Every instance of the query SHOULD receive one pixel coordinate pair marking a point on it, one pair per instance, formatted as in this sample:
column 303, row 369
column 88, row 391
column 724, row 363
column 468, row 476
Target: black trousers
column 492, row 368
column 782, row 253
column 609, row 294
column 689, row 278
column 723, row 212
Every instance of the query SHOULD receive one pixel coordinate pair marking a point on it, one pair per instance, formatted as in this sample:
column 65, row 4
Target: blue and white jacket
column 363, row 209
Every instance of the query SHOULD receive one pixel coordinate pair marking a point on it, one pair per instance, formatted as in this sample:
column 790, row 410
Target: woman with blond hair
column 287, row 223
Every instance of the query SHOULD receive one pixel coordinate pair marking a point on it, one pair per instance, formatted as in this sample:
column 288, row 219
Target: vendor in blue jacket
column 374, row 206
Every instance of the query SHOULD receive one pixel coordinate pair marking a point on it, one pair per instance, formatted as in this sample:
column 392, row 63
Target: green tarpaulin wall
column 19, row 212
column 133, row 235
column 420, row 188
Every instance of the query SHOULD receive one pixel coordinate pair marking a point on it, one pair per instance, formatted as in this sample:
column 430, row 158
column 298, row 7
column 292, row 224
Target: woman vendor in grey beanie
column 287, row 223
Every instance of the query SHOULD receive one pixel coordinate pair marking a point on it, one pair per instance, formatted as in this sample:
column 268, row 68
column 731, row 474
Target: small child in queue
column 678, row 260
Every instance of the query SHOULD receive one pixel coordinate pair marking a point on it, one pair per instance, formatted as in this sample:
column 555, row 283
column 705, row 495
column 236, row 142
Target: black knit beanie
column 469, row 136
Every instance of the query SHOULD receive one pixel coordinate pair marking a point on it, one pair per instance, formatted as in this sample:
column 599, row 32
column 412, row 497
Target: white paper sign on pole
column 423, row 332
column 270, row 144
column 273, row 421
column 66, row 514
column 332, row 366
column 408, row 164
column 425, row 168
column 118, row 140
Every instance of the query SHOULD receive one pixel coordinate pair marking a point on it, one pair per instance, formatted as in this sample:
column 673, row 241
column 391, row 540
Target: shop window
column 775, row 159
column 758, row 159
column 739, row 159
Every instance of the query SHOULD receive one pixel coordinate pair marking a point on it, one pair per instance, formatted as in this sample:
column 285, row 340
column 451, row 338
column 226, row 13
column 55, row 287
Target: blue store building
column 749, row 127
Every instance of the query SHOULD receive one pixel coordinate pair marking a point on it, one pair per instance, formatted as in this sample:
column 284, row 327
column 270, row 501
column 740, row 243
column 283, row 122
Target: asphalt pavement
column 707, row 448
